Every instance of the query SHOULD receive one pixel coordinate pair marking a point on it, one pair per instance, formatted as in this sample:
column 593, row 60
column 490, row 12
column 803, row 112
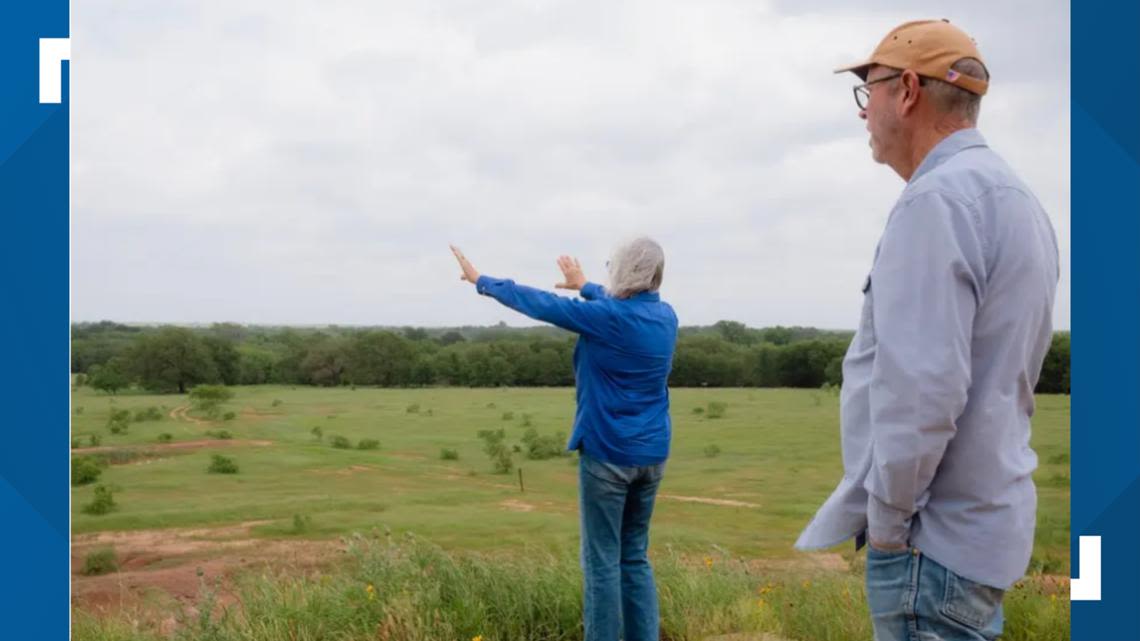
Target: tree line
column 113, row 356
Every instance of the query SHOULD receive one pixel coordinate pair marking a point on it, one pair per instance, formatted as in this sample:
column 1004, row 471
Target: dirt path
column 182, row 413
column 177, row 561
column 177, row 446
column 707, row 501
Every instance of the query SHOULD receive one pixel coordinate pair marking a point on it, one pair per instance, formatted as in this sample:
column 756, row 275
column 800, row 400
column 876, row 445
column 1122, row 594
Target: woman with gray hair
column 626, row 338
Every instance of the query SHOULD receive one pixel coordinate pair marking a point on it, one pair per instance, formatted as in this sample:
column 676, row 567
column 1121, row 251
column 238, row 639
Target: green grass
column 778, row 449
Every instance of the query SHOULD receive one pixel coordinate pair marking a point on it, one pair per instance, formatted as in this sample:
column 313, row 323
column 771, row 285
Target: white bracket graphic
column 53, row 51
column 1086, row 587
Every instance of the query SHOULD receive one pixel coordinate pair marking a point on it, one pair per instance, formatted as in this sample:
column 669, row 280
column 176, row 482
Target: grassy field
column 776, row 458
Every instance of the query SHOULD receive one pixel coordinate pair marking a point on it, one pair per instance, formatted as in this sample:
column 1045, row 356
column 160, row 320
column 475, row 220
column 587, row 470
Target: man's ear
column 909, row 89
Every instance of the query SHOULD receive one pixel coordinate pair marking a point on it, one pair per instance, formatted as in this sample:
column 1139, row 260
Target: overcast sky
column 308, row 163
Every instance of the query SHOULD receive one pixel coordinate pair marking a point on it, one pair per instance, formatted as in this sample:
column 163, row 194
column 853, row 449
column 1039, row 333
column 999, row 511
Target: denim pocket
column 969, row 603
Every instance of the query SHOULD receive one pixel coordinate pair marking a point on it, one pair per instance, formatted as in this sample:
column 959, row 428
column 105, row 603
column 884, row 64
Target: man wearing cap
column 938, row 381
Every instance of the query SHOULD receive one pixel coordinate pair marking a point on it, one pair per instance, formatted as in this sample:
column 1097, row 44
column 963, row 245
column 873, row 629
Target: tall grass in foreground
column 412, row 590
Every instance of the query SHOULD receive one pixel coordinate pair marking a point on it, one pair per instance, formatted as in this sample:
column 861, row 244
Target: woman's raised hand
column 572, row 276
column 469, row 273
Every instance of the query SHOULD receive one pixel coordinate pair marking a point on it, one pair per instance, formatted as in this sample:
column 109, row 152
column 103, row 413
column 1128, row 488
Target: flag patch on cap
column 951, row 75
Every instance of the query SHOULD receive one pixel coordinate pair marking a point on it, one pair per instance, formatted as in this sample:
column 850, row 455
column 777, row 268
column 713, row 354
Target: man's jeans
column 914, row 598
column 616, row 504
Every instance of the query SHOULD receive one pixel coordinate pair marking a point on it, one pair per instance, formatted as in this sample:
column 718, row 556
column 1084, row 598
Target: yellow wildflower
column 371, row 590
column 708, row 561
column 477, row 638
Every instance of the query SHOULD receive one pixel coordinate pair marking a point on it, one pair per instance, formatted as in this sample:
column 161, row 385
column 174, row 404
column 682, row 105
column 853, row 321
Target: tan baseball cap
column 929, row 48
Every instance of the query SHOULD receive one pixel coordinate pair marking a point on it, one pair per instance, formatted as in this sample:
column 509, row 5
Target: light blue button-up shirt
column 938, row 381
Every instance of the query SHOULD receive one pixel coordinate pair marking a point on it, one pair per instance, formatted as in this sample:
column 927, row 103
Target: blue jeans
column 914, row 598
column 616, row 504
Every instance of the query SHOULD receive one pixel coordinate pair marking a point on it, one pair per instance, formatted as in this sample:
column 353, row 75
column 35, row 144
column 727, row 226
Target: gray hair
column 636, row 267
column 951, row 99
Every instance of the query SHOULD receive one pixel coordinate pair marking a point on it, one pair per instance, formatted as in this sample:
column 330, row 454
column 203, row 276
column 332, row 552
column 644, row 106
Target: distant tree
column 734, row 332
column 173, row 359
column 450, row 338
column 111, row 376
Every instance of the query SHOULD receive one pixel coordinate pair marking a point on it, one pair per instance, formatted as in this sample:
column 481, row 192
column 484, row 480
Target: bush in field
column 222, row 465
column 368, row 444
column 540, row 448
column 223, row 435
column 301, row 523
column 79, row 410
column 449, row 455
column 502, row 462
column 209, row 398
column 148, row 414
column 716, row 409
column 341, row 443
column 277, row 401
column 76, row 443
column 229, row 416
column 414, row 408
column 103, row 502
column 85, row 469
column 698, row 410
column 119, row 421
column 94, row 440
column 712, row 450
column 527, row 420
column 508, row 416
column 317, row 432
column 100, row 561
column 165, row 437
column 497, row 450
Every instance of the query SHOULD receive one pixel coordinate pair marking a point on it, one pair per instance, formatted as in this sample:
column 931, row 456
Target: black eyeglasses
column 863, row 93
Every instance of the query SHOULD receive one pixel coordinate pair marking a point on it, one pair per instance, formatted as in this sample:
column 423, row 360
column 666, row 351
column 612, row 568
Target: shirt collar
column 652, row 297
column 947, row 147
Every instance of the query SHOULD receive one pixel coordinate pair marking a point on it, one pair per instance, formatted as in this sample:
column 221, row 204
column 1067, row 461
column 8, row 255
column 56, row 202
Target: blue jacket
column 621, row 364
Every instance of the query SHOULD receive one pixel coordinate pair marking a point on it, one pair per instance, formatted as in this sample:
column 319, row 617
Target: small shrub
column 491, row 406
column 79, row 410
column 223, row 435
column 165, row 437
column 101, row 561
column 276, row 402
column 368, row 444
column 317, row 432
column 716, row 409
column 526, row 420
column 222, row 465
column 301, row 523
column 151, row 413
column 76, row 443
column 698, row 410
column 85, row 470
column 449, row 455
column 508, row 416
column 428, row 413
column 94, row 440
column 502, row 462
column 540, row 448
column 118, row 421
column 341, row 443
column 229, row 416
column 712, row 450
column 1059, row 459
column 414, row 408
column 103, row 502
